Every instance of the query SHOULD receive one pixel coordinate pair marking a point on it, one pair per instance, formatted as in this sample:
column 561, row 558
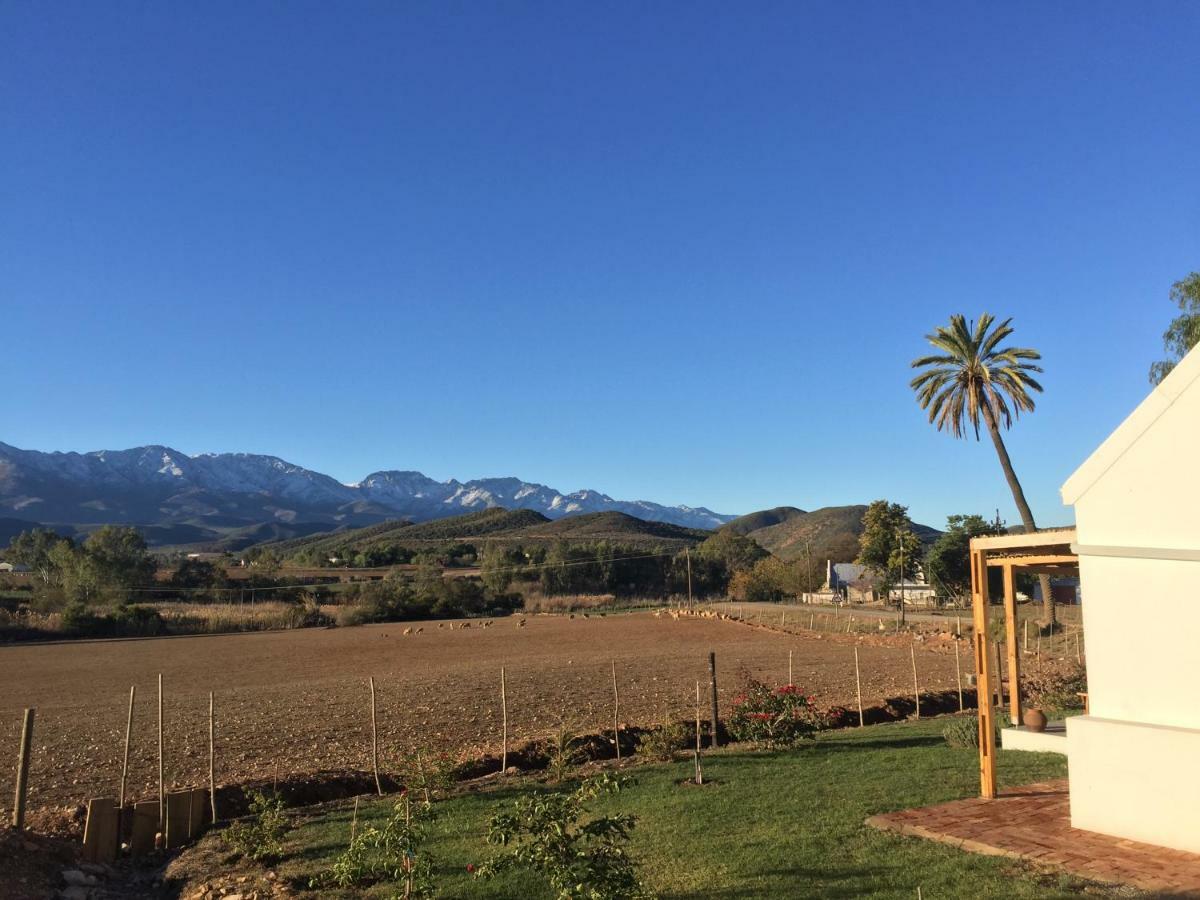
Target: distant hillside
column 615, row 526
column 763, row 519
column 828, row 533
column 518, row 526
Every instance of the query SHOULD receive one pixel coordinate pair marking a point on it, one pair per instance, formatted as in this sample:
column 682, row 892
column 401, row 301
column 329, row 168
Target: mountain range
column 179, row 499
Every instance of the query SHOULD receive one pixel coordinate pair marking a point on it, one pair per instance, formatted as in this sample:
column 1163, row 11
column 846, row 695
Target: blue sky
column 681, row 252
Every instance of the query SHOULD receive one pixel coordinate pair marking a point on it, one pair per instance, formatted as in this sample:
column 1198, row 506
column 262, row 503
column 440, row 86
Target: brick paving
column 1033, row 823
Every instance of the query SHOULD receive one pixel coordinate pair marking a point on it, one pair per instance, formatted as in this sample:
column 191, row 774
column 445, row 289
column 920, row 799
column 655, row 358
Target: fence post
column 616, row 712
column 912, row 649
column 712, row 674
column 858, row 687
column 374, row 740
column 18, row 819
column 162, row 801
column 504, row 723
column 212, row 765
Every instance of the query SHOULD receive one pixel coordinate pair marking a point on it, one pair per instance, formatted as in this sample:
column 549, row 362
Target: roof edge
column 1135, row 425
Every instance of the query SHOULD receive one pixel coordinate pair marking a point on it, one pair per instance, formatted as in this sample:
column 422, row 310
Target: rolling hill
column 831, row 532
column 764, row 518
column 519, row 526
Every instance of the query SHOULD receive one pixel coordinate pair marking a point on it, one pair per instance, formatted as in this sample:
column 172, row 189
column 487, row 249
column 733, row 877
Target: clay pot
column 1035, row 720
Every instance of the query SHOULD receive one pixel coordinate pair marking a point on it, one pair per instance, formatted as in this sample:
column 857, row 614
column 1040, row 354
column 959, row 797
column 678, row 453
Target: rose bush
column 777, row 717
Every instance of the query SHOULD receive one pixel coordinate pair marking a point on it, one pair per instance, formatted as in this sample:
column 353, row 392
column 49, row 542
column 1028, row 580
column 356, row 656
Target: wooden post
column 858, row 687
column 212, row 764
column 983, row 686
column 100, row 832
column 999, row 675
column 1026, row 635
column 162, row 799
column 616, row 712
column 504, row 725
column 1014, row 655
column 18, row 819
column 125, row 758
column 912, row 649
column 716, row 725
column 790, row 681
column 374, row 740
column 699, row 774
column 1078, row 652
column 958, row 676
column 812, row 617
column 958, row 626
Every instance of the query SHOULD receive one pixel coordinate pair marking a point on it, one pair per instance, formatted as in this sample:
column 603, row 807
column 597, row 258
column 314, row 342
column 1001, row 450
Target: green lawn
column 784, row 824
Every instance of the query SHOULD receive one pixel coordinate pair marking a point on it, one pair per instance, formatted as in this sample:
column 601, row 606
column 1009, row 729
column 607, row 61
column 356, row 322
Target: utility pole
column 688, row 552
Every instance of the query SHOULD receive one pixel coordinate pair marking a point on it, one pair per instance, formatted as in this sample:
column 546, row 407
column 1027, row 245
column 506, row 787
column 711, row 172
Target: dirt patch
column 293, row 705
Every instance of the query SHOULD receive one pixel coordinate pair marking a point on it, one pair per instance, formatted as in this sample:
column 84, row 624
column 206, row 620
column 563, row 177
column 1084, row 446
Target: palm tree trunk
column 1022, row 506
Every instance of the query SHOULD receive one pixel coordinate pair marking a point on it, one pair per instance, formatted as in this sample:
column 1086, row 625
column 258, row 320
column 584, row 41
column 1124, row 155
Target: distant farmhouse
column 13, row 568
column 853, row 583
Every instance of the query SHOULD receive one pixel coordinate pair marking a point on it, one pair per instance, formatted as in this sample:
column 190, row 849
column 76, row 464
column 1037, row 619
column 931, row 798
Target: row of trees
column 624, row 570
column 106, row 567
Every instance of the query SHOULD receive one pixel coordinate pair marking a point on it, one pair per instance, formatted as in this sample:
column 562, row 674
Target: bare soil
column 294, row 703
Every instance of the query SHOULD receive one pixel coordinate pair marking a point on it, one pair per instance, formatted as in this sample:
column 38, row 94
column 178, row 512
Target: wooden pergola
column 1040, row 553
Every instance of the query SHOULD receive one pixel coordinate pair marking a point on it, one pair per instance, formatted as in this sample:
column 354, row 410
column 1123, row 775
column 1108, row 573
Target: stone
column 74, row 892
column 76, row 877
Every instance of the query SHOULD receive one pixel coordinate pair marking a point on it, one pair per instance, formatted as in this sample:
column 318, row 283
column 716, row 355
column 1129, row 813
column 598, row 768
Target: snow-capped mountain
column 159, row 486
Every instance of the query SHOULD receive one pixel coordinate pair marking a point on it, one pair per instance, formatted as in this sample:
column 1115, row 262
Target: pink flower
column 470, row 867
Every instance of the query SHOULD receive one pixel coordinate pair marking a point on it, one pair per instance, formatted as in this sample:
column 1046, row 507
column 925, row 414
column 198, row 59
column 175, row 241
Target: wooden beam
column 1054, row 538
column 983, row 682
column 1014, row 650
column 1040, row 559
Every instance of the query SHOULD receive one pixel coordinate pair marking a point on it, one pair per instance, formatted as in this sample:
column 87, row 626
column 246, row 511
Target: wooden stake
column 125, row 759
column 958, row 626
column 699, row 774
column 812, row 617
column 354, row 822
column 716, row 725
column 790, row 682
column 616, row 712
column 1078, row 652
column 504, row 725
column 912, row 649
column 212, row 759
column 374, row 739
column 162, row 798
column 1026, row 635
column 18, row 819
column 858, row 688
column 958, row 676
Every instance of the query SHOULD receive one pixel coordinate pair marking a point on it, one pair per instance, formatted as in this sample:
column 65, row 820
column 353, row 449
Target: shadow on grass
column 806, row 883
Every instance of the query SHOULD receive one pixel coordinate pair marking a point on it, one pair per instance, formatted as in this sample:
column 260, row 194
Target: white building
column 1132, row 759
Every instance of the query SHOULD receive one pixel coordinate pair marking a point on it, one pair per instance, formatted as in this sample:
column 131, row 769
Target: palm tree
column 973, row 377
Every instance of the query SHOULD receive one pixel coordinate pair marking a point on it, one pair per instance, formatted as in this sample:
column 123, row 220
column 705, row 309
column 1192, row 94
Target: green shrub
column 963, row 731
column 663, row 742
column 562, row 753
column 391, row 853
column 259, row 835
column 777, row 717
column 579, row 860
